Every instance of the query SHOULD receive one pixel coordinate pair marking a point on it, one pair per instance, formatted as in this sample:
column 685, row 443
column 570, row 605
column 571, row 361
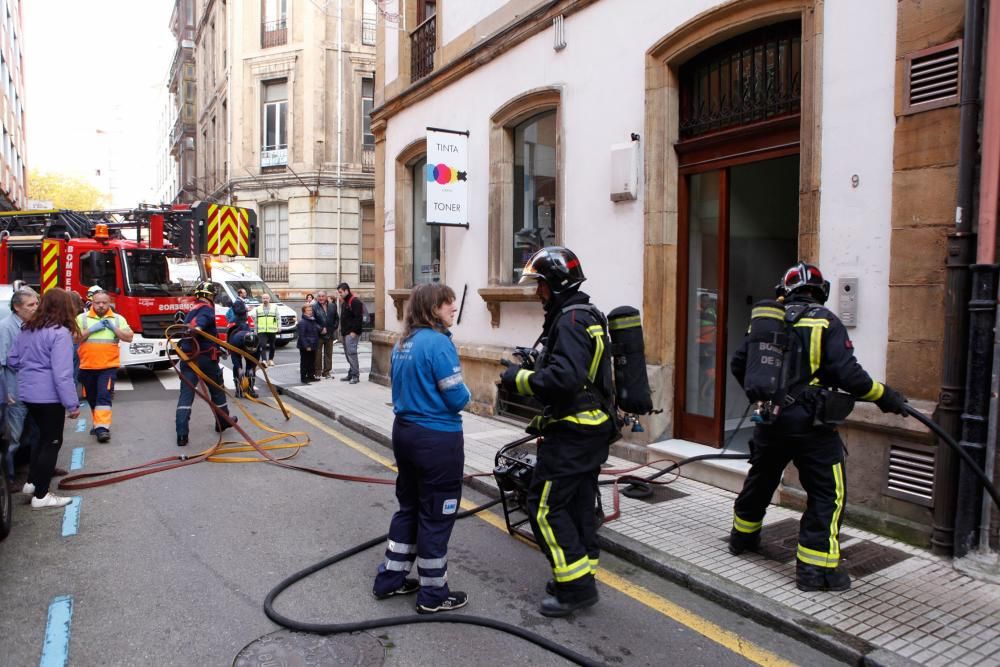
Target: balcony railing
column 423, row 42
column 273, row 33
column 276, row 157
column 274, row 272
column 368, row 159
column 368, row 31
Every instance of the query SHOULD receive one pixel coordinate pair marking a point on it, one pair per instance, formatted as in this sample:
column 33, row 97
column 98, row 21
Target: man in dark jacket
column 352, row 317
column 804, row 431
column 572, row 379
column 328, row 321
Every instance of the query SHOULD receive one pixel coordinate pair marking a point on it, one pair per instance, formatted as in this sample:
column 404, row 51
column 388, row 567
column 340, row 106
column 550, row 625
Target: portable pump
column 513, row 467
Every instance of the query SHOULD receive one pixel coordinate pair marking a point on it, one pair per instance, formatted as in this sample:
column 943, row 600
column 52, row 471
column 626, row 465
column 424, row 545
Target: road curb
column 802, row 627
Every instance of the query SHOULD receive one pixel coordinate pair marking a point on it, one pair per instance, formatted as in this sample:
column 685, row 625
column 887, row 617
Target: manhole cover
column 296, row 649
column 780, row 541
column 867, row 557
column 662, row 494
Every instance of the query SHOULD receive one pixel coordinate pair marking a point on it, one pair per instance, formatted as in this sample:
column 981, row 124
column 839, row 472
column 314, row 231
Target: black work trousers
column 50, row 417
column 307, row 364
column 818, row 454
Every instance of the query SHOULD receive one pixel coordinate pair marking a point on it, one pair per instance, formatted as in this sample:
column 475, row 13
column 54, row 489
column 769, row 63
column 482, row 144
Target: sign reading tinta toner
column 447, row 177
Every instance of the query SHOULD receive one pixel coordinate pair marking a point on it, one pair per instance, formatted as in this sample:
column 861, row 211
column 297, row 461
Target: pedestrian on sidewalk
column 352, row 317
column 572, row 380
column 308, row 340
column 804, row 431
column 241, row 297
column 43, row 358
column 328, row 320
column 428, row 394
column 101, row 330
column 266, row 322
column 21, row 428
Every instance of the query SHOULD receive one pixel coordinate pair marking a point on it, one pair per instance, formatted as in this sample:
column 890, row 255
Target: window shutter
column 932, row 78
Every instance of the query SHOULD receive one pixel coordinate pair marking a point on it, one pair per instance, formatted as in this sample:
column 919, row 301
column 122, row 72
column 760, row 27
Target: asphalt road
column 173, row 568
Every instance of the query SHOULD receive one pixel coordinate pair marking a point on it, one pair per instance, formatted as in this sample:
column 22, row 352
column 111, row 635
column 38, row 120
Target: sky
column 95, row 91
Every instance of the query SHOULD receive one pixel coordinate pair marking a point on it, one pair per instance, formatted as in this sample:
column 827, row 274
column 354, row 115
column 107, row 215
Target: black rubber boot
column 813, row 578
column 741, row 542
column 553, row 608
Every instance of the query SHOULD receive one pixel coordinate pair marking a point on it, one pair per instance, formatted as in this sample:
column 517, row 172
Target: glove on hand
column 509, row 376
column 108, row 324
column 94, row 328
column 891, row 401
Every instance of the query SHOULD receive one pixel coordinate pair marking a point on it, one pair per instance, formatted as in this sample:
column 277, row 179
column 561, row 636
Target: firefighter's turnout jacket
column 572, row 380
column 801, row 434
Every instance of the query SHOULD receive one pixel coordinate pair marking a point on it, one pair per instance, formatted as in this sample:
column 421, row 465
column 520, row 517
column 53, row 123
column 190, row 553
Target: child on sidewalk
column 308, row 340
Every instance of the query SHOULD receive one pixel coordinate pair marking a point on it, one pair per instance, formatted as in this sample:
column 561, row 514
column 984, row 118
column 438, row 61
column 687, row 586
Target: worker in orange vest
column 101, row 329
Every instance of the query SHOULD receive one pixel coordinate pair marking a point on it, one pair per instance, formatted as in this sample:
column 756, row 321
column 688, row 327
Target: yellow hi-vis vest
column 100, row 350
column 266, row 321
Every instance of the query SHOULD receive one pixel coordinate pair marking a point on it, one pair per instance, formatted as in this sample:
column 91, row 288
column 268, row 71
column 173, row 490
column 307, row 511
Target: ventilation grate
column 911, row 474
column 933, row 77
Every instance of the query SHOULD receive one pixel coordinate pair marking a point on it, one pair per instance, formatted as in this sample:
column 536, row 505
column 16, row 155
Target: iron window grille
column 423, row 42
column 751, row 78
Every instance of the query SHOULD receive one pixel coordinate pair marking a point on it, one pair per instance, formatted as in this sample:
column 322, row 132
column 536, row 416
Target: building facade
column 688, row 153
column 182, row 86
column 13, row 174
column 284, row 92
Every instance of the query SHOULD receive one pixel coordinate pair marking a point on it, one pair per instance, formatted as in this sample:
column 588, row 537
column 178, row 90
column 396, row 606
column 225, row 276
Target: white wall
column 602, row 75
column 604, row 44
column 460, row 15
column 391, row 41
column 858, row 124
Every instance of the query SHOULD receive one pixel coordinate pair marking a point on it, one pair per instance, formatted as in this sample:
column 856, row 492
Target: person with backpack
column 352, row 318
column 572, row 379
column 791, row 363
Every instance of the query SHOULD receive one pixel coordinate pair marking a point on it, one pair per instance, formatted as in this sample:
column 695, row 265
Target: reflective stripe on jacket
column 266, row 321
column 100, row 350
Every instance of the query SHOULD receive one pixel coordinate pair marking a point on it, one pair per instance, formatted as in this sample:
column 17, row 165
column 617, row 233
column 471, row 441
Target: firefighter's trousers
column 819, row 456
column 99, row 390
column 189, row 380
column 429, row 490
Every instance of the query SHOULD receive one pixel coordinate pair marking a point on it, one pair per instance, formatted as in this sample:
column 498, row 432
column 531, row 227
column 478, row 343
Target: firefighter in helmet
column 239, row 334
column 572, row 379
column 803, row 430
column 204, row 354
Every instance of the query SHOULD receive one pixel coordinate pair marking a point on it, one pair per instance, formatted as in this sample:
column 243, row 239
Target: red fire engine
column 124, row 252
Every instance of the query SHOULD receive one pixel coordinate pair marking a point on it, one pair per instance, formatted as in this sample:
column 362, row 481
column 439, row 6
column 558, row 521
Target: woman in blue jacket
column 428, row 394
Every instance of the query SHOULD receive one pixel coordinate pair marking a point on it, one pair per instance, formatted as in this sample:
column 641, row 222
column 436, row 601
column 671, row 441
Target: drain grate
column 294, row 649
column 780, row 541
column 866, row 557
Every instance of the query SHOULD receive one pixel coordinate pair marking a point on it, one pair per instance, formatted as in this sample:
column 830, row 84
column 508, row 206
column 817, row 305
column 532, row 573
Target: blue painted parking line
column 81, row 425
column 77, row 461
column 55, row 650
column 71, row 517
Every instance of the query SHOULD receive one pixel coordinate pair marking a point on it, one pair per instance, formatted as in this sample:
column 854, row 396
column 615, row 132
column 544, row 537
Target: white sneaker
column 28, row 489
column 49, row 501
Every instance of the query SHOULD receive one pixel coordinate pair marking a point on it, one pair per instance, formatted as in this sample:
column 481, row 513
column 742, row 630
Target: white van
column 232, row 276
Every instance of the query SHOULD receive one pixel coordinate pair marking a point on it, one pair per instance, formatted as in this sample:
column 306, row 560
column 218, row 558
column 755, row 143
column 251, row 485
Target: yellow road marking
column 702, row 626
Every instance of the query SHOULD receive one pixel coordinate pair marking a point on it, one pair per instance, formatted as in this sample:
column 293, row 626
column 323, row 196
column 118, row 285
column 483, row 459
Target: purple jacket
column 43, row 360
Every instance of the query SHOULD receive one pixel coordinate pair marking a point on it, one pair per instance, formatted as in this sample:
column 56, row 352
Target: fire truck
column 126, row 253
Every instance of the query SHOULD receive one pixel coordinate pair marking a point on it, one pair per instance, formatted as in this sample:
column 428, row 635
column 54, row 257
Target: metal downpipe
column 961, row 253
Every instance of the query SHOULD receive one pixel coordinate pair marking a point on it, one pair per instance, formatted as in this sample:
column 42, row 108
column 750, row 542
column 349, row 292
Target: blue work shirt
column 427, row 384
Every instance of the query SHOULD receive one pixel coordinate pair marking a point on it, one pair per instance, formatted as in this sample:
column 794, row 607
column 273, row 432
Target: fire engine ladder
column 44, row 224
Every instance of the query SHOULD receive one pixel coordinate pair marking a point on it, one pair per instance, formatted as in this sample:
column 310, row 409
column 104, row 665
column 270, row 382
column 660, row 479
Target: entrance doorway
column 739, row 232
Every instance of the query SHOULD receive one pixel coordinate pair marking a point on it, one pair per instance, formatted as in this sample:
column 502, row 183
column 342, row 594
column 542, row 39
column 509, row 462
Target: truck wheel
column 6, row 507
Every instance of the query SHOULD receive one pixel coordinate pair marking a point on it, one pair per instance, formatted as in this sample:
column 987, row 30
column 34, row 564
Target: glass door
column 739, row 232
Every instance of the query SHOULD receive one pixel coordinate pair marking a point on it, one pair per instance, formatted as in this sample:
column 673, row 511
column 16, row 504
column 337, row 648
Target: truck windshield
column 147, row 274
column 254, row 289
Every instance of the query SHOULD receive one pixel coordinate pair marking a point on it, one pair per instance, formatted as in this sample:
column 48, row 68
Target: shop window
column 426, row 238
column 534, row 189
